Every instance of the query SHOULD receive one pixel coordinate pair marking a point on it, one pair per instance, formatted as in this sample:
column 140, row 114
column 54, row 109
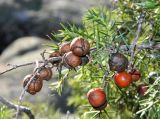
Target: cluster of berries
column 36, row 84
column 73, row 54
column 119, row 63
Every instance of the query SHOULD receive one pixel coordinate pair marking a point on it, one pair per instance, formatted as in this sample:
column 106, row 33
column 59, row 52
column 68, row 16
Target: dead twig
column 37, row 70
column 150, row 46
column 51, row 60
column 23, row 109
column 104, row 82
column 134, row 42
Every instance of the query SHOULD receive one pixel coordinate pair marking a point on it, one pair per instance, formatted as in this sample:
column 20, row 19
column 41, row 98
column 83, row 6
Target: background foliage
column 109, row 29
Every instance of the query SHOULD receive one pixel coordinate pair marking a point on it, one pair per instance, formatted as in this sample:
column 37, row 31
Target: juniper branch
column 51, row 60
column 37, row 70
column 23, row 109
column 134, row 42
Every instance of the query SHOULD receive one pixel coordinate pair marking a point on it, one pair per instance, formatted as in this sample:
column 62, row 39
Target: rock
column 20, row 48
column 71, row 10
column 20, row 18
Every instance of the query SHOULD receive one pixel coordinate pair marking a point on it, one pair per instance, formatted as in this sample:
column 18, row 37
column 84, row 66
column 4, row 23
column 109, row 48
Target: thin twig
column 132, row 50
column 17, row 66
column 68, row 113
column 51, row 60
column 103, row 85
column 149, row 46
column 42, row 54
column 52, row 40
column 23, row 109
column 24, row 90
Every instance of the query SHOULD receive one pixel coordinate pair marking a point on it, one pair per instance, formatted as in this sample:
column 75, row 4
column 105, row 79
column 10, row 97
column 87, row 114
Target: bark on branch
column 51, row 60
column 151, row 46
column 134, row 42
column 23, row 109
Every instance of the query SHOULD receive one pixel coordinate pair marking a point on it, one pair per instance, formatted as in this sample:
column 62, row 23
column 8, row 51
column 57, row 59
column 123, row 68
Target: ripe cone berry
column 79, row 46
column 118, row 62
column 142, row 88
column 64, row 48
column 122, row 79
column 97, row 98
column 71, row 61
column 135, row 75
column 34, row 86
column 46, row 73
column 54, row 54
column 84, row 60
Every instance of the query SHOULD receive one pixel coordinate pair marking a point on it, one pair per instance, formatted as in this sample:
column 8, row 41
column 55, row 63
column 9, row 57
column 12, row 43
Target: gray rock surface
column 20, row 48
column 39, row 17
